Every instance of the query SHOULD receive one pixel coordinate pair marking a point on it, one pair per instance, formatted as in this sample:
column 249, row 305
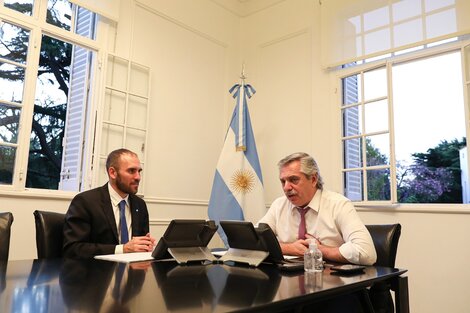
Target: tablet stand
column 252, row 257
column 183, row 255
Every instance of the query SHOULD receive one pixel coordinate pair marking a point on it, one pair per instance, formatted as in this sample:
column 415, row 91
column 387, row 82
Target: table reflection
column 68, row 285
column 84, row 283
column 214, row 287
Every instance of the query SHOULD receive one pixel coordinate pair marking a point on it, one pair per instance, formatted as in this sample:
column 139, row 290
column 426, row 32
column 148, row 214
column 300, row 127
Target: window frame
column 462, row 46
column 100, row 153
column 37, row 26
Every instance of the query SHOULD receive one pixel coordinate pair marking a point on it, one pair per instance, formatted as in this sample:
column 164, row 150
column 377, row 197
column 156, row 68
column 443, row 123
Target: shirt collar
column 115, row 197
column 314, row 204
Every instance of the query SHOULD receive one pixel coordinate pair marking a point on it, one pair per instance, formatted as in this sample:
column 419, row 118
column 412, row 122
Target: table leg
column 400, row 287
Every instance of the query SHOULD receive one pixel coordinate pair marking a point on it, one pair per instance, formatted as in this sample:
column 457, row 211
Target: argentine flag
column 237, row 191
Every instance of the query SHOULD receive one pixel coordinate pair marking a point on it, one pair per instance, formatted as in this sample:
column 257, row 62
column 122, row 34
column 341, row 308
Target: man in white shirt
column 309, row 212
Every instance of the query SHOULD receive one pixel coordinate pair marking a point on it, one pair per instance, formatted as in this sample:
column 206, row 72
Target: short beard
column 123, row 187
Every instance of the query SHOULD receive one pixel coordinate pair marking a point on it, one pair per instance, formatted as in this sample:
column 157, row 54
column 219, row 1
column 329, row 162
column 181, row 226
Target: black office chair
column 49, row 234
column 385, row 239
column 6, row 219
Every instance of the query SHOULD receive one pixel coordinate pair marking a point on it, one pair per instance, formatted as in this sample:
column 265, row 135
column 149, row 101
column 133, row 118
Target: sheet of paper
column 126, row 257
column 290, row 257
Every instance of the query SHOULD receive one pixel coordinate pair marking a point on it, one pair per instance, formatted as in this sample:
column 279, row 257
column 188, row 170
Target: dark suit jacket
column 85, row 283
column 90, row 226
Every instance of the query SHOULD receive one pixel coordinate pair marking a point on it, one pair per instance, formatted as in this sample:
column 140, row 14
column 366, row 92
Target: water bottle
column 313, row 258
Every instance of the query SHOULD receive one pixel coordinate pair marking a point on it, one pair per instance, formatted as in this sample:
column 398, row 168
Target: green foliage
column 378, row 181
column 434, row 176
column 445, row 155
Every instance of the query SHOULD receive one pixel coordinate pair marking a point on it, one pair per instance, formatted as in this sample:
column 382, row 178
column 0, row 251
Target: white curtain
column 106, row 8
column 358, row 29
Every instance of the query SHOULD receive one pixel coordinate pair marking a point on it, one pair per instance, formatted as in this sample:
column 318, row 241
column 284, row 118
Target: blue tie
column 122, row 216
column 119, row 275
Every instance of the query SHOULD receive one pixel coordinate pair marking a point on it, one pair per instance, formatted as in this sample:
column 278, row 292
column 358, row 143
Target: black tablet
column 242, row 235
column 184, row 234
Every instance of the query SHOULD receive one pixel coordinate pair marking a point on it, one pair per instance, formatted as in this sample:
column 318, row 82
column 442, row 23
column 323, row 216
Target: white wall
column 195, row 50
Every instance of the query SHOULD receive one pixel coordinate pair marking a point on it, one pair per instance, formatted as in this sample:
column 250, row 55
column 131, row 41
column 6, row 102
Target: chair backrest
column 49, row 234
column 385, row 239
column 6, row 219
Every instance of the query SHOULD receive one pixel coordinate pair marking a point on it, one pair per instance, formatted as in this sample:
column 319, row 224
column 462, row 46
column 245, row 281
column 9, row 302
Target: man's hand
column 140, row 244
column 140, row 265
column 296, row 248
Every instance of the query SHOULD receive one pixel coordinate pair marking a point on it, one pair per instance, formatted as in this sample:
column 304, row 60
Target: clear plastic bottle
column 313, row 258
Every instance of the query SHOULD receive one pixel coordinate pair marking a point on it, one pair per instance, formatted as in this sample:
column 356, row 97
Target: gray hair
column 308, row 166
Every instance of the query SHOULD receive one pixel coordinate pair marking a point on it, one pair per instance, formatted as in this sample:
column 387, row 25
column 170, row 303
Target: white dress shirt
column 331, row 219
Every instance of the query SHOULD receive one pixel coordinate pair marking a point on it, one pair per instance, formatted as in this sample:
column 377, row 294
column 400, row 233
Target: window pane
column 114, row 106
column 352, row 153
column 429, row 112
column 138, row 112
column 23, row 6
column 63, row 14
column 405, row 9
column 135, row 141
column 11, row 82
column 353, row 185
column 13, row 43
column 378, row 185
column 441, row 23
column 352, row 121
column 375, row 84
column 138, row 81
column 467, row 62
column 7, row 164
column 50, row 106
column 377, row 41
column 116, row 75
column 376, row 18
column 376, row 116
column 377, row 150
column 112, row 138
column 407, row 33
column 59, row 13
column 102, row 175
column 351, row 89
column 9, row 123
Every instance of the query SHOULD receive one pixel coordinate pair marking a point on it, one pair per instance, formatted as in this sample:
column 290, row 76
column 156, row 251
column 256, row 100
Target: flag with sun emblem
column 237, row 191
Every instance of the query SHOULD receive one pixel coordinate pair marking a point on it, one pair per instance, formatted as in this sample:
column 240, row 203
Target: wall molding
column 159, row 222
column 240, row 9
column 285, row 37
column 181, row 24
column 176, row 201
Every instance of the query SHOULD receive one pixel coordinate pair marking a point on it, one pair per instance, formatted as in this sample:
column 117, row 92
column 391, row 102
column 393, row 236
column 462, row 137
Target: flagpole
column 241, row 112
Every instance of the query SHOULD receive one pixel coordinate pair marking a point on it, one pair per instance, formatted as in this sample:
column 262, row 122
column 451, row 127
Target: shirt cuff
column 119, row 249
column 348, row 251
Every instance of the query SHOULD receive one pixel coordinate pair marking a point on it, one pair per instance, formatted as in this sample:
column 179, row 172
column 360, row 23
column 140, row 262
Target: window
column 22, row 6
column 404, row 129
column 46, row 89
column 125, row 114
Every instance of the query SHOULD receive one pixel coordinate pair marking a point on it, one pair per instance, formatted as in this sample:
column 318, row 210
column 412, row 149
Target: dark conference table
column 67, row 285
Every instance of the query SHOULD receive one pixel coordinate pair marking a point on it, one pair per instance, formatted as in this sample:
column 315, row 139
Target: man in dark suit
column 109, row 219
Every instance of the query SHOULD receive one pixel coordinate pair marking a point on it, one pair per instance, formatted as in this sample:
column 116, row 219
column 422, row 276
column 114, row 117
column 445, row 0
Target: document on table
column 126, row 257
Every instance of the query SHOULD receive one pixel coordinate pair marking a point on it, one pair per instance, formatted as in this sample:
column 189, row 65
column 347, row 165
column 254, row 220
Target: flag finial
column 242, row 76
